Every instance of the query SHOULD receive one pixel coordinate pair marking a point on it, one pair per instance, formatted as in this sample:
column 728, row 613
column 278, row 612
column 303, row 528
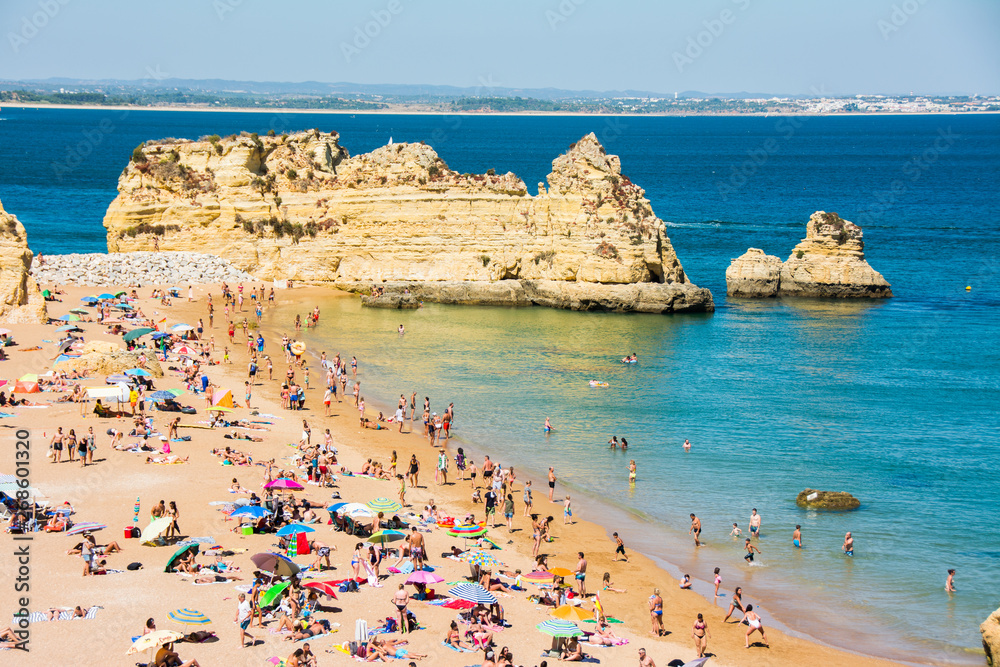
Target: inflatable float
column 298, row 348
column 595, row 383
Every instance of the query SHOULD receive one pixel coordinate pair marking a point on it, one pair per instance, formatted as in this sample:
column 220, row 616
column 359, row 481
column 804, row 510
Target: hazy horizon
column 890, row 47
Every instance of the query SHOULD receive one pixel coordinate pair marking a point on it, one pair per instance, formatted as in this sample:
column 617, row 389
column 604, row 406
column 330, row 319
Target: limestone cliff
column 990, row 630
column 20, row 300
column 753, row 274
column 298, row 206
column 829, row 262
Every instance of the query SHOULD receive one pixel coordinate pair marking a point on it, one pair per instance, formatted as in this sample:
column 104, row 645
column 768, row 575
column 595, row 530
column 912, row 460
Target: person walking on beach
column 619, row 548
column 848, row 547
column 488, row 467
column 695, row 529
column 567, row 511
column 756, row 625
column 413, row 471
column 527, row 498
column 754, row 523
column 949, row 584
column 701, row 635
column 735, row 604
column 749, row 551
column 508, row 512
column 442, row 465
column 491, row 506
column 417, row 550
column 797, row 537
column 581, row 573
column 243, row 617
column 645, row 660
column 718, row 582
column 552, row 483
column 656, row 612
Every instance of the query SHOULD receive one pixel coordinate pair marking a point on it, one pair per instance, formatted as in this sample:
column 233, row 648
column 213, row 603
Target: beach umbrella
column 85, row 527
column 561, row 572
column 219, row 408
column 122, row 306
column 160, row 334
column 90, row 299
column 538, row 577
column 161, row 395
column 136, row 333
column 79, row 311
column 473, row 530
column 278, row 564
column 328, row 588
column 137, row 372
column 386, row 505
column 383, row 536
column 117, row 378
column 294, row 529
column 120, row 293
column 268, row 597
column 336, row 506
column 252, row 511
column 105, row 296
column 180, row 553
column 46, row 293
column 424, row 577
column 182, row 327
column 355, row 510
column 569, row 612
column 154, row 640
column 5, row 332
column 155, row 529
column 185, row 351
column 559, row 628
column 70, row 318
column 68, row 327
column 223, row 397
column 26, row 384
column 189, row 617
column 283, row 483
column 482, row 559
column 473, row 593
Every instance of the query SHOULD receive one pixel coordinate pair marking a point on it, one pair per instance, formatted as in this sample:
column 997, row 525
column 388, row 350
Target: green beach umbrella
column 383, row 536
column 70, row 318
column 80, row 311
column 180, row 553
column 118, row 294
column 136, row 333
column 46, row 293
column 272, row 594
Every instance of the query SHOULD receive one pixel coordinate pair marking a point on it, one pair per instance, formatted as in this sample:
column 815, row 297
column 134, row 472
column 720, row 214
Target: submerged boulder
column 827, row 500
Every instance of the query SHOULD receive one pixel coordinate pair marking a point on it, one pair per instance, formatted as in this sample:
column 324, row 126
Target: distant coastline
column 404, row 110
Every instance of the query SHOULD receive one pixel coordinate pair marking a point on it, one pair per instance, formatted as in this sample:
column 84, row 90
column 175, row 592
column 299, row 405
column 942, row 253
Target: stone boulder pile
column 137, row 268
column 827, row 500
column 102, row 358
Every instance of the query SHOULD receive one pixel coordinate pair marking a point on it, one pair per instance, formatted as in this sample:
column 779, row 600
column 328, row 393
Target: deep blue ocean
column 896, row 401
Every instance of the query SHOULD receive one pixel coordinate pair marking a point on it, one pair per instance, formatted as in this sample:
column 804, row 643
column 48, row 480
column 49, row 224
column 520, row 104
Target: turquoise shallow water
column 896, row 401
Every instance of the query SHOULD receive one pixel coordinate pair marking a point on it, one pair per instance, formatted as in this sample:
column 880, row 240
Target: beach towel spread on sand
column 64, row 615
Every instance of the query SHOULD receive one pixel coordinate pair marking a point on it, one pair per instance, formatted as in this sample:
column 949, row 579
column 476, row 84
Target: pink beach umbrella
column 423, row 577
column 285, row 483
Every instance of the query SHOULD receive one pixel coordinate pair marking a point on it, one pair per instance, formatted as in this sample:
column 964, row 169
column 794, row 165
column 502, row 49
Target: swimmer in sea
column 848, row 547
column 631, row 472
column 750, row 549
column 949, row 584
column 624, row 444
column 548, row 425
column 613, row 442
column 797, row 537
column 735, row 532
column 687, row 445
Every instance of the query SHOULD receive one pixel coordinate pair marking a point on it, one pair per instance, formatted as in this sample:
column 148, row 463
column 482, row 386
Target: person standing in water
column 754, row 523
column 949, row 584
column 848, row 547
column 797, row 536
column 687, row 445
column 613, row 442
column 548, row 426
column 631, row 472
column 695, row 529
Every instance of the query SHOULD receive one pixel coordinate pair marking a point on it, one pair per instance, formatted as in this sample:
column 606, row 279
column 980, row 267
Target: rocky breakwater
column 299, row 206
column 137, row 268
column 20, row 300
column 829, row 262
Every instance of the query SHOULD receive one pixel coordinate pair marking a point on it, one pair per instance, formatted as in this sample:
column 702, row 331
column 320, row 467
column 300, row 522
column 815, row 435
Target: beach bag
column 134, row 566
column 411, row 621
column 390, row 624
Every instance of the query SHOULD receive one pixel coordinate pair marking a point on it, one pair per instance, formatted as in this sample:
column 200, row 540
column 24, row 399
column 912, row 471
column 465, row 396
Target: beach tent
column 27, row 384
column 223, row 397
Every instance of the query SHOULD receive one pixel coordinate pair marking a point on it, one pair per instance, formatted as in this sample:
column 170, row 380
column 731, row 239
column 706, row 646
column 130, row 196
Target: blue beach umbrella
column 336, row 506
column 252, row 511
column 159, row 335
column 105, row 296
column 141, row 372
column 90, row 299
column 295, row 529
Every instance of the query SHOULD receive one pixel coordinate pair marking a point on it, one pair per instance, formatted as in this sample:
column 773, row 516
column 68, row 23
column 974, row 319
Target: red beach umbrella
column 325, row 587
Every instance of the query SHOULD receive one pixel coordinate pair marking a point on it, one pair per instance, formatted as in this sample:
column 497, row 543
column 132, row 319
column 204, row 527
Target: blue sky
column 772, row 46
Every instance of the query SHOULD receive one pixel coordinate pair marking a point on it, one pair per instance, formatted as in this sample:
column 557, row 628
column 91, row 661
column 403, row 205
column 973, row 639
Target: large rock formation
column 829, row 262
column 103, row 358
column 827, row 500
column 297, row 206
column 990, row 630
column 753, row 274
column 20, row 300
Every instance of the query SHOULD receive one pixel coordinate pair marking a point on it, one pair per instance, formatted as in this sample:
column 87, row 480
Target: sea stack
column 990, row 630
column 20, row 300
column 829, row 262
column 297, row 206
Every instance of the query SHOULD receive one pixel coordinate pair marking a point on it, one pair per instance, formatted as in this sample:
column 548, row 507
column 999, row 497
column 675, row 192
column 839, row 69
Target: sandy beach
column 106, row 493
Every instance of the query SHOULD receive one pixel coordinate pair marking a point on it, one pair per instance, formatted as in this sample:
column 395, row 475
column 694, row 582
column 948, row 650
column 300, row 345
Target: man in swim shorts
column 695, row 529
column 750, row 549
column 619, row 548
column 581, row 573
column 797, row 537
column 848, row 547
column 754, row 523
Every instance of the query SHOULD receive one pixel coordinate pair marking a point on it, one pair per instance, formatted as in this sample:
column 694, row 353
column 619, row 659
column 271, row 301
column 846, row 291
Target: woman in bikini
column 656, row 612
column 401, row 599
column 536, row 534
column 357, row 558
column 700, row 633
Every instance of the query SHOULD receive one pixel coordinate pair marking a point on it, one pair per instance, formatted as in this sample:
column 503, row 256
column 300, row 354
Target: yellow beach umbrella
column 153, row 640
column 155, row 529
column 561, row 572
column 569, row 612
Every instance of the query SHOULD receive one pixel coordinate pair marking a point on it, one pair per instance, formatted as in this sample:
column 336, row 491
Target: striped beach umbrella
column 538, row 577
column 473, row 593
column 559, row 628
column 482, row 559
column 383, row 536
column 189, row 617
column 85, row 527
column 384, row 505
column 470, row 531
